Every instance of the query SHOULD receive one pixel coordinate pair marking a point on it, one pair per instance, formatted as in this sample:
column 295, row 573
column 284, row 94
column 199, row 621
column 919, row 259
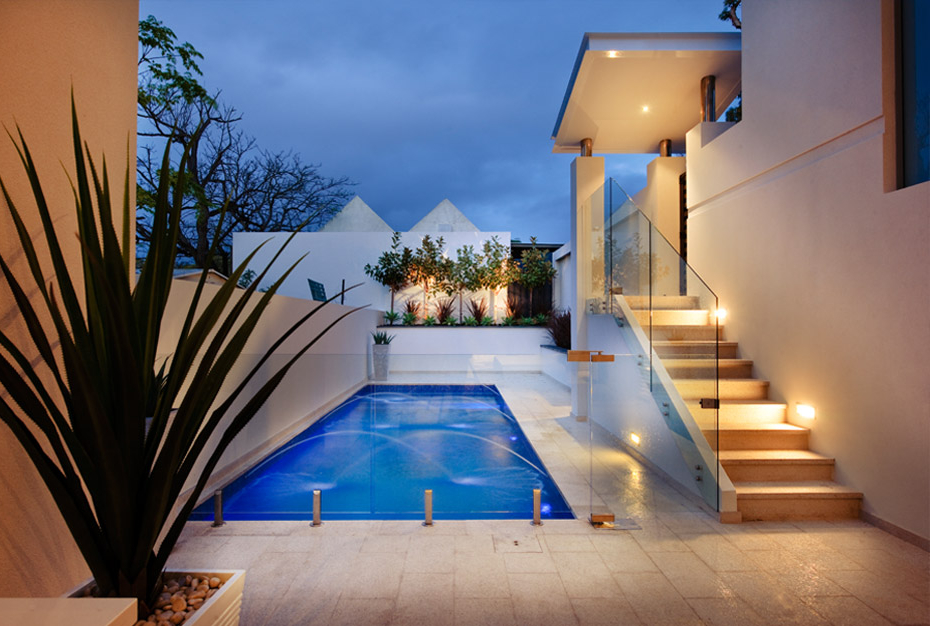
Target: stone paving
column 677, row 565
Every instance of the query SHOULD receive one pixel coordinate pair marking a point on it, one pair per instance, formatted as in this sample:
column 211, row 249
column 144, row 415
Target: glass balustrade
column 670, row 324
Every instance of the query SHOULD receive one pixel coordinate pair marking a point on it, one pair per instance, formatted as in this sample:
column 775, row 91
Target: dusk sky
column 421, row 101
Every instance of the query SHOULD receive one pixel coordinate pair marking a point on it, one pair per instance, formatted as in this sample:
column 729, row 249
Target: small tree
column 536, row 270
column 428, row 266
column 497, row 268
column 393, row 267
column 466, row 273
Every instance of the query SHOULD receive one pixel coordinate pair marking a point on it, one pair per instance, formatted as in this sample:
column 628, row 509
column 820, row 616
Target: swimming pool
column 374, row 455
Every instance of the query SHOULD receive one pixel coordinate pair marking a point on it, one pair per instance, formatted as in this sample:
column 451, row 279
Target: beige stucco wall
column 823, row 273
column 46, row 48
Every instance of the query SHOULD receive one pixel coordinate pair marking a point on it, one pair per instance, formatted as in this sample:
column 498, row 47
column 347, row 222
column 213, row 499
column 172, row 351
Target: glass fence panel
column 669, row 317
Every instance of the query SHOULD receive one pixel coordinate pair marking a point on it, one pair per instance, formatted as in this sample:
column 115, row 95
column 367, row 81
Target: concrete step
column 707, row 368
column 741, row 412
column 754, row 436
column 815, row 500
column 776, row 465
column 696, row 349
column 669, row 317
column 666, row 333
column 663, row 302
column 729, row 389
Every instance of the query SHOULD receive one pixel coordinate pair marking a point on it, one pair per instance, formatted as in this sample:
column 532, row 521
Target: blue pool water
column 373, row 456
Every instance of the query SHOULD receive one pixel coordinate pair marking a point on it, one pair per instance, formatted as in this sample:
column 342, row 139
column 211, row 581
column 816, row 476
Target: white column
column 587, row 175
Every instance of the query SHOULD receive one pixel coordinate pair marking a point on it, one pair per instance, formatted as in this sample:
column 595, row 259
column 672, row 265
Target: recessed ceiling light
column 645, row 108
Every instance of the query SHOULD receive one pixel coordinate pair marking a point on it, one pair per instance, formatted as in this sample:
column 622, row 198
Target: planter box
column 221, row 610
column 466, row 348
column 71, row 611
column 555, row 364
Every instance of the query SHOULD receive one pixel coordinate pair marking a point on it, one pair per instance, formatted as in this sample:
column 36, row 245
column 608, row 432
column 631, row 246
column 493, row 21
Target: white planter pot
column 380, row 356
column 220, row 610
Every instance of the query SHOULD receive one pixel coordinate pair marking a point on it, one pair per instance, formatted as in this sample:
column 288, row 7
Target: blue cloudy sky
column 421, row 101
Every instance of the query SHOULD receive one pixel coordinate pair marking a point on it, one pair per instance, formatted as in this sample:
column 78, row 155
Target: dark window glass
column 915, row 90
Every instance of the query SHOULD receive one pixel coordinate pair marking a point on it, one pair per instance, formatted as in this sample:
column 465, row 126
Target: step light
column 720, row 314
column 805, row 410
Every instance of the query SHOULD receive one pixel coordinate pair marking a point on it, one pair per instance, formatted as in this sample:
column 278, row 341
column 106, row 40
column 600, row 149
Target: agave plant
column 117, row 483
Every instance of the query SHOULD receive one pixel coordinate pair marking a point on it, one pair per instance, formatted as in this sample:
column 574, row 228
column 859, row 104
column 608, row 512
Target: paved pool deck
column 674, row 563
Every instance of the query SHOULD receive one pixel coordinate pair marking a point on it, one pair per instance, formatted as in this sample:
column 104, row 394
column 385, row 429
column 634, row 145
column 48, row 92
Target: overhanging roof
column 617, row 75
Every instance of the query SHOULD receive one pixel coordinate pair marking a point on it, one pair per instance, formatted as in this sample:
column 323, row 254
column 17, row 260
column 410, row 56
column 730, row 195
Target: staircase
column 776, row 475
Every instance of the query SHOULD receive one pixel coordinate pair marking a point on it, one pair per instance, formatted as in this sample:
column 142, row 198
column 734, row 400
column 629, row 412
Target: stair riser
column 761, row 440
column 684, row 333
column 740, row 414
column 779, row 509
column 739, row 370
column 728, row 389
column 663, row 302
column 776, row 472
column 685, row 350
column 673, row 318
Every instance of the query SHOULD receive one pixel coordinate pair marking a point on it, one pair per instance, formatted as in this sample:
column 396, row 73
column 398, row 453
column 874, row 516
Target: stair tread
column 773, row 456
column 704, row 361
column 799, row 489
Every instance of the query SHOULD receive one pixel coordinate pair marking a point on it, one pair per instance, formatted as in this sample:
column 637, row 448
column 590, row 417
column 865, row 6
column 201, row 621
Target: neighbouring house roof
column 193, row 275
column 616, row 75
column 445, row 217
column 356, row 217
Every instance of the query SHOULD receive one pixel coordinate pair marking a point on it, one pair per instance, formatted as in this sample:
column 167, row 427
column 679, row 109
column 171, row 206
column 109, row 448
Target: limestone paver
column 679, row 567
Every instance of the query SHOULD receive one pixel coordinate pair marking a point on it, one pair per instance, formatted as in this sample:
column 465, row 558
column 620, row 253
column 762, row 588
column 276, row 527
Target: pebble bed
column 180, row 599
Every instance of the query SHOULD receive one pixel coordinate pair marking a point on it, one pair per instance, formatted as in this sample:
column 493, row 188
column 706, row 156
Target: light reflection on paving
column 680, row 567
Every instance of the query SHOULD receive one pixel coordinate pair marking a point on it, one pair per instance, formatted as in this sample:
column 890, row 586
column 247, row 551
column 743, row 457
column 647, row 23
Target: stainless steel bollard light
column 218, row 508
column 428, row 506
column 537, row 505
column 316, row 508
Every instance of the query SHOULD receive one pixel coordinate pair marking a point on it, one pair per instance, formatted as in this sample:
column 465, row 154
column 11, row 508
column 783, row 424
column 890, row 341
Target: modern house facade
column 797, row 218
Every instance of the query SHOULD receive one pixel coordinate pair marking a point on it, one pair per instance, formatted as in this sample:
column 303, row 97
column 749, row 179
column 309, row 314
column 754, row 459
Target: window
column 915, row 91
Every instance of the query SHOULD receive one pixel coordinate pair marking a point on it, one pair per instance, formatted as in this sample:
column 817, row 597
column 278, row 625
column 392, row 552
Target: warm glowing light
column 806, row 411
column 645, row 108
column 721, row 314
column 635, row 438
column 612, row 54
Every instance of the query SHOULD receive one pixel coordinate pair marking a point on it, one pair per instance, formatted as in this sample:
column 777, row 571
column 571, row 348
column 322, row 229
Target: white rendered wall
column 332, row 367
column 660, row 198
column 47, row 49
column 563, row 285
column 332, row 257
column 824, row 274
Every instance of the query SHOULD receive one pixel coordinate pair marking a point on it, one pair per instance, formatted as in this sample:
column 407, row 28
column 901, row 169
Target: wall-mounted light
column 805, row 410
column 635, row 438
column 720, row 314
column 613, row 54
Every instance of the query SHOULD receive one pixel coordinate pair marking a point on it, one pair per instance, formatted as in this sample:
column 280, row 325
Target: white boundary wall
column 332, row 257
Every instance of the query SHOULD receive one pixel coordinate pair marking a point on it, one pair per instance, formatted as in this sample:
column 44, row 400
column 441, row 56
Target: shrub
column 470, row 321
column 450, row 321
column 487, row 320
column 559, row 328
column 409, row 319
column 445, row 310
column 542, row 319
column 391, row 316
column 508, row 321
column 478, row 309
column 429, row 320
column 412, row 307
column 527, row 321
column 381, row 338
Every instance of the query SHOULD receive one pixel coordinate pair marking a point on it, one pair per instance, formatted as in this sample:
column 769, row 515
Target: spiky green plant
column 117, row 484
